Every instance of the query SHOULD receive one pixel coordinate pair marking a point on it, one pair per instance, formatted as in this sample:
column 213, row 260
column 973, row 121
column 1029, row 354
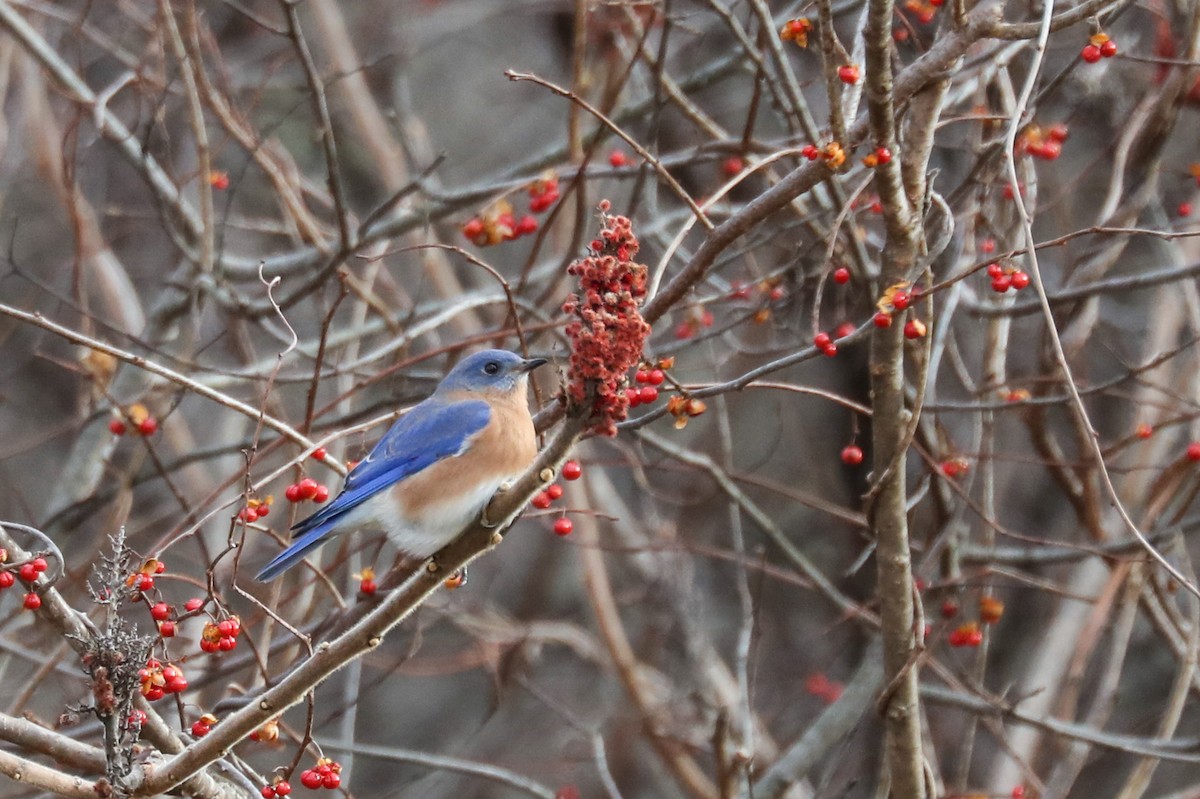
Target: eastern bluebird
column 436, row 468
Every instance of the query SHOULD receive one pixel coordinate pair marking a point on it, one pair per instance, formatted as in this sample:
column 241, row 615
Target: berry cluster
column 684, row 408
column 546, row 497
column 497, row 224
column 142, row 580
column 824, row 342
column 366, row 582
column 1098, row 46
column 970, row 633
column 647, row 379
column 326, row 774
column 543, row 193
column 1045, row 144
column 1005, row 278
column 161, row 612
column 825, row 689
column 897, row 299
column 136, row 415
column 221, row 636
column 203, row 725
column 796, row 30
column 256, row 509
column 608, row 331
column 955, row 467
column 307, row 488
column 159, row 680
column 879, row 157
column 280, row 787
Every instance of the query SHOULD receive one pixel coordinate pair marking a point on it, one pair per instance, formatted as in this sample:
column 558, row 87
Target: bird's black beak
column 531, row 364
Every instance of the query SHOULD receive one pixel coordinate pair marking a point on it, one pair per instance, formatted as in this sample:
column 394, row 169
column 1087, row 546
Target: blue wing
column 431, row 431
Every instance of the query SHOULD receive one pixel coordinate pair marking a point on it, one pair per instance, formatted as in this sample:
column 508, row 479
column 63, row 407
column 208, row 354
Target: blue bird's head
column 490, row 372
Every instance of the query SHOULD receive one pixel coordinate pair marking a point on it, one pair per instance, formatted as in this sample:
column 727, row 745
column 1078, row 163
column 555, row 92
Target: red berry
column 1018, row 792
column 914, row 328
column 882, row 319
column 949, row 609
column 200, row 729
column 618, row 158
column 307, row 488
column 830, row 351
column 554, row 491
column 473, row 229
column 193, row 604
column 822, row 340
column 541, row 500
column 810, row 152
column 848, row 73
column 331, row 780
column 368, row 586
column 283, row 788
column 526, row 225
column 987, row 246
column 319, row 454
column 841, row 275
column 1108, row 49
column 32, row 601
column 901, row 300
column 1193, row 451
column 641, row 376
column 166, row 629
column 311, row 779
column 1090, row 53
column 634, row 396
column 145, row 583
column 148, row 426
column 995, row 270
column 261, row 511
column 571, row 470
column 6, row 579
column 321, row 494
column 1001, row 284
column 160, row 611
column 226, row 627
column 27, row 572
column 563, row 526
column 648, row 394
column 844, row 329
column 116, row 427
column 1058, row 132
column 883, row 155
column 852, row 455
column 732, row 165
column 267, row 792
column 1019, row 280
column 292, row 493
column 208, row 646
column 226, row 643
column 1184, row 209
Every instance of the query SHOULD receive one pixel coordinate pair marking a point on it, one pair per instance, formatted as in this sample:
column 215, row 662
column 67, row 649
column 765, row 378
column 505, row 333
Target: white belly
column 424, row 534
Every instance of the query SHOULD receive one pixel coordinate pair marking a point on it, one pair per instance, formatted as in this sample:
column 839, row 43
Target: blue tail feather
column 297, row 551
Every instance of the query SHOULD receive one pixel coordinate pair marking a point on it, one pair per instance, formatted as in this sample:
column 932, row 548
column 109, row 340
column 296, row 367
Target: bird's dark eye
column 491, row 368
